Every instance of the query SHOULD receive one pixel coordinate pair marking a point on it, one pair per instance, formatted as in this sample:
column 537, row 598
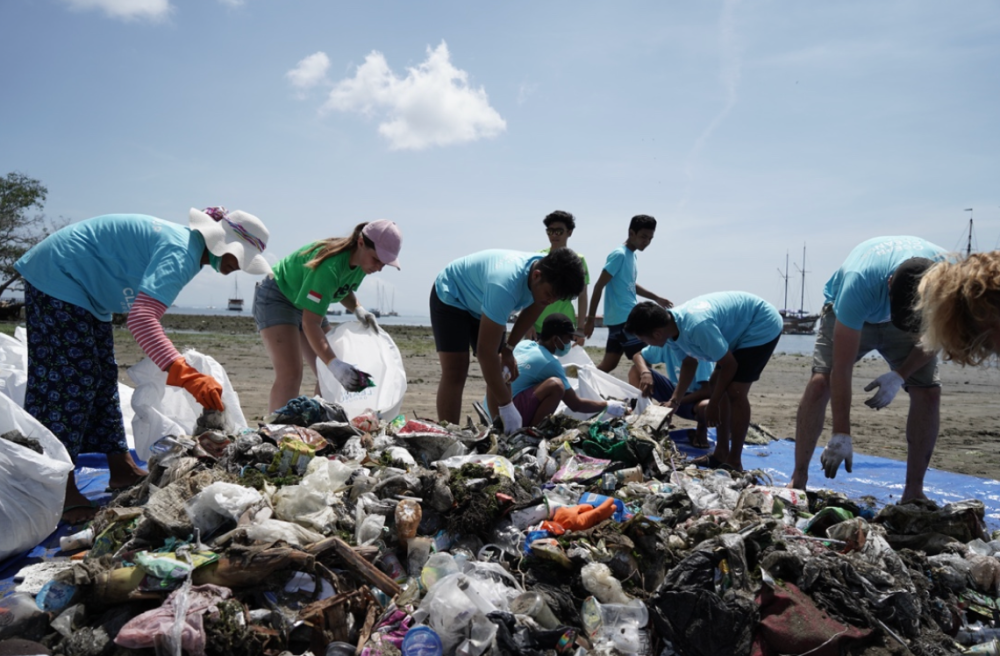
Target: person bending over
column 660, row 387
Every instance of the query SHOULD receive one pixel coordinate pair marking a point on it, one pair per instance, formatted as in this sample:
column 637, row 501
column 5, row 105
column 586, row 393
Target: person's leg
column 282, row 345
column 549, row 393
column 739, row 422
column 613, row 349
column 609, row 361
column 723, row 432
column 809, row 426
column 701, row 429
column 309, row 356
column 454, row 371
column 922, row 425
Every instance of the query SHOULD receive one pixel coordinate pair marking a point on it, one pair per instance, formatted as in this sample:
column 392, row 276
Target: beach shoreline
column 969, row 440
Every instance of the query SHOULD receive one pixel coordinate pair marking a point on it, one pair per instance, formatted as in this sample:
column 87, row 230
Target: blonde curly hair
column 960, row 307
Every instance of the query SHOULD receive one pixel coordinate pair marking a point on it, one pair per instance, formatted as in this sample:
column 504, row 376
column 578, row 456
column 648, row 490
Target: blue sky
column 746, row 128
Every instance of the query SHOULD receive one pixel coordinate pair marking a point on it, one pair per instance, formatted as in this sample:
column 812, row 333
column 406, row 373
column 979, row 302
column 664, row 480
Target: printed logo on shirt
column 315, row 297
column 344, row 290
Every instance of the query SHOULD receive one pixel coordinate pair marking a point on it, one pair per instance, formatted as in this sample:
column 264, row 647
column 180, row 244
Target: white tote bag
column 371, row 352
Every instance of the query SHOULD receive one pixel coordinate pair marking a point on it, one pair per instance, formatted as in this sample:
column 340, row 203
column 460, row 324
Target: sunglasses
column 555, row 232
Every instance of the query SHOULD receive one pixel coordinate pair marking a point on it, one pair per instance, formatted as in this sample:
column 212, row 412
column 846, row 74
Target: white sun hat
column 238, row 233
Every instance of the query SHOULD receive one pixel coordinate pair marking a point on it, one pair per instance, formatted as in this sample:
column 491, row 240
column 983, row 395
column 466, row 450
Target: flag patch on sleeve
column 315, row 297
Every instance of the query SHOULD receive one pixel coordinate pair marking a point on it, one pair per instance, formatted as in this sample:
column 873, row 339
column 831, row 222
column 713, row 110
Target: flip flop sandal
column 711, row 462
column 89, row 505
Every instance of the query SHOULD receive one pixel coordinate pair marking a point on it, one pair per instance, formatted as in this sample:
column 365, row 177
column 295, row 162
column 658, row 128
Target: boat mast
column 784, row 275
column 802, row 302
column 968, row 246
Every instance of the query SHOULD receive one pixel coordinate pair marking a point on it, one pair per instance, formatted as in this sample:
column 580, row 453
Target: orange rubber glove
column 579, row 518
column 205, row 389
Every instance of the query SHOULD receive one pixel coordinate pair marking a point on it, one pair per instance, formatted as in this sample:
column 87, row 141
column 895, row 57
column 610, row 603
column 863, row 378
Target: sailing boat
column 392, row 306
column 797, row 322
column 236, row 302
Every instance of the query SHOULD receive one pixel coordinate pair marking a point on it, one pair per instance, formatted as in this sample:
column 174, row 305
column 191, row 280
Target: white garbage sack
column 32, row 485
column 592, row 383
column 14, row 376
column 371, row 352
column 162, row 410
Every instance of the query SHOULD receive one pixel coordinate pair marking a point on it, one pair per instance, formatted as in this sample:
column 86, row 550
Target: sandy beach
column 968, row 441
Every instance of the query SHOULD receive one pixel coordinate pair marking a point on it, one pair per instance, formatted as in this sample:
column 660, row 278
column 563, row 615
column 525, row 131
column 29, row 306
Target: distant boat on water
column 797, row 322
column 236, row 302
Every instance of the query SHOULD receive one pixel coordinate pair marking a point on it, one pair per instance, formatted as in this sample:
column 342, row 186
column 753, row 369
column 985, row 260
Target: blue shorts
column 621, row 342
column 663, row 389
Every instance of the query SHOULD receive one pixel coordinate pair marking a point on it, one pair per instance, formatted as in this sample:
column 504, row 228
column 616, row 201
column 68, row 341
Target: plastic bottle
column 80, row 540
column 408, row 515
column 421, row 641
column 526, row 517
column 16, row 610
column 991, row 648
column 533, row 604
column 477, row 599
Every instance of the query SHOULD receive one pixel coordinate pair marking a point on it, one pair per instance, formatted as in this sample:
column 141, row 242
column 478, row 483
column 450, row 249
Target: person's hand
column 579, row 518
column 888, row 385
column 837, row 450
column 508, row 362
column 579, row 340
column 667, row 303
column 616, row 409
column 206, row 390
column 511, row 418
column 352, row 378
column 646, row 383
column 365, row 318
column 588, row 327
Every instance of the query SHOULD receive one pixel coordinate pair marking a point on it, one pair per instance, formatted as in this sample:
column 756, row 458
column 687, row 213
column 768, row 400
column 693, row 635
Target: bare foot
column 76, row 507
column 123, row 472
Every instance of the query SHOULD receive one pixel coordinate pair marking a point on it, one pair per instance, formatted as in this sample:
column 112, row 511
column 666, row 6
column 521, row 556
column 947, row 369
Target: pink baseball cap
column 387, row 239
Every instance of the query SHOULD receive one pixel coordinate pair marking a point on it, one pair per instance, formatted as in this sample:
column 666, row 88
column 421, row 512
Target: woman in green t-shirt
column 290, row 306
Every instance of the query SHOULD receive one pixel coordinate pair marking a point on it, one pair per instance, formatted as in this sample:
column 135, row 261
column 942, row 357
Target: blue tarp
column 880, row 478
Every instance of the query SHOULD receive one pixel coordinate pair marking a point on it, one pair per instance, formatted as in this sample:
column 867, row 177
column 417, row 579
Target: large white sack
column 32, row 485
column 592, row 383
column 14, row 376
column 371, row 352
column 162, row 410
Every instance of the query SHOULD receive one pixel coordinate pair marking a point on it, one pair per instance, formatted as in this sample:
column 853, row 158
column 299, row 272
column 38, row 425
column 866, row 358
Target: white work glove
column 366, row 318
column 888, row 385
column 511, row 418
column 837, row 450
column 352, row 378
column 616, row 409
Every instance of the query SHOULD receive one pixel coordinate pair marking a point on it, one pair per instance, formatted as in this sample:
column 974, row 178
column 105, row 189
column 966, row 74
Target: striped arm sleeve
column 144, row 324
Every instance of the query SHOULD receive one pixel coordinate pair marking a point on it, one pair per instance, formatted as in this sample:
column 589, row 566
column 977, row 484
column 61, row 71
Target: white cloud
column 309, row 72
column 432, row 106
column 524, row 91
column 126, row 9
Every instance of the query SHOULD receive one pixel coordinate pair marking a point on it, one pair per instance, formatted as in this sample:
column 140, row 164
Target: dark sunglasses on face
column 555, row 232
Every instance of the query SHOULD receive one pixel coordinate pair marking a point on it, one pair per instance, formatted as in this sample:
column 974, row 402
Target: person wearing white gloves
column 290, row 306
column 870, row 307
column 735, row 330
column 470, row 303
column 542, row 384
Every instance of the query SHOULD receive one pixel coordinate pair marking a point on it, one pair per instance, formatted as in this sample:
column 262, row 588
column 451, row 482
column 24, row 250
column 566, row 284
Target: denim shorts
column 620, row 341
column 272, row 308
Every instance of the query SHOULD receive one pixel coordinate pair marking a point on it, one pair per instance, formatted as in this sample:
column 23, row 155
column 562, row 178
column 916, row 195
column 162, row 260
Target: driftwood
column 356, row 564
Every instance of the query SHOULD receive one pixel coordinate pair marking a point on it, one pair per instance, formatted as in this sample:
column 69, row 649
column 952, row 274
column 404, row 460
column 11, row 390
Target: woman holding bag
column 75, row 279
column 290, row 305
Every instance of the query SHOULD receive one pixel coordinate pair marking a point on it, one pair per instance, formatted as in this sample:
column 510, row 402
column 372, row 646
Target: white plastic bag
column 164, row 410
column 32, row 485
column 375, row 354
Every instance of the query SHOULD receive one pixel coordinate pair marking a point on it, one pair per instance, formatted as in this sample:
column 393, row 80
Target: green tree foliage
column 22, row 225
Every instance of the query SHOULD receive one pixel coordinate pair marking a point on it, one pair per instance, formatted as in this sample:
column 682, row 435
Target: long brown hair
column 960, row 306
column 327, row 248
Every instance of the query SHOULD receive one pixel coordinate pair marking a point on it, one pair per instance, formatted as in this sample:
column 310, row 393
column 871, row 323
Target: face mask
column 214, row 261
column 564, row 349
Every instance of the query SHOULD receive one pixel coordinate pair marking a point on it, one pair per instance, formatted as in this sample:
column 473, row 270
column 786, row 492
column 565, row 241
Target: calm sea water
column 798, row 344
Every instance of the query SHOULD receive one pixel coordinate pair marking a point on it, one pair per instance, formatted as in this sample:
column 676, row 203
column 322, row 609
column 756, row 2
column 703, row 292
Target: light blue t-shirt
column 535, row 363
column 714, row 324
column 102, row 264
column 672, row 358
column 492, row 283
column 619, row 293
column 859, row 290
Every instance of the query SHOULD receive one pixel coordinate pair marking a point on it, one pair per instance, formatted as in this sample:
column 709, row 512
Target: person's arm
column 312, row 328
column 725, row 369
column 645, row 375
column 576, row 404
column 492, row 363
column 689, row 367
column 845, row 350
column 349, row 302
column 602, row 282
column 581, row 312
column 525, row 320
column 645, row 293
column 700, row 394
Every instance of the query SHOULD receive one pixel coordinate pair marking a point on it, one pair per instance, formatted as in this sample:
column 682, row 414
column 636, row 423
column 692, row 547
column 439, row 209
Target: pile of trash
column 323, row 535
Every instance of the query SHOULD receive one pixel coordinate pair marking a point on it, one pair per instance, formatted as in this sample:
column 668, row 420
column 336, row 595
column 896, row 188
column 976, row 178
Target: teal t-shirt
column 565, row 307
column 535, row 363
column 672, row 358
column 102, row 264
column 315, row 289
column 493, row 283
column 859, row 290
column 714, row 324
column 619, row 293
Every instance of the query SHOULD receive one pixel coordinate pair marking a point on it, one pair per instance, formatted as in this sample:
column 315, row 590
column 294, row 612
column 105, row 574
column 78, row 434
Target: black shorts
column 621, row 342
column 455, row 330
column 750, row 362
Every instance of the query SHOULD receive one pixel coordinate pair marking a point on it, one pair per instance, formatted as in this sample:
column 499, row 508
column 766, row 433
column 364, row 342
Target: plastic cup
column 533, row 604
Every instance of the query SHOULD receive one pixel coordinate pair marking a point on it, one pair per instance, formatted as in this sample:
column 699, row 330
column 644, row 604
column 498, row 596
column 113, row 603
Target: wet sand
column 969, row 441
